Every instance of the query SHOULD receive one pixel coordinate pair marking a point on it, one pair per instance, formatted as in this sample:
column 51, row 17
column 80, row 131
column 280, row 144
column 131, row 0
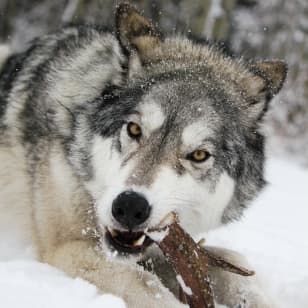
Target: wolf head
column 180, row 135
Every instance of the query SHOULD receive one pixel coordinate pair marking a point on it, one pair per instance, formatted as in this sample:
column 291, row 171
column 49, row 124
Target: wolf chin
column 102, row 135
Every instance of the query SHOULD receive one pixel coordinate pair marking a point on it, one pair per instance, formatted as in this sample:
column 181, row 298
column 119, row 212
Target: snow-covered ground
column 29, row 284
column 273, row 235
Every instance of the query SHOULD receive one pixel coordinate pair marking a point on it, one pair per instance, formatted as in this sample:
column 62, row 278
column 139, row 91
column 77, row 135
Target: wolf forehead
column 169, row 101
column 176, row 115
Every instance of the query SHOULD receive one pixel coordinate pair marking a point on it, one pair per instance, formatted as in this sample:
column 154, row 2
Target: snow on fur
column 187, row 290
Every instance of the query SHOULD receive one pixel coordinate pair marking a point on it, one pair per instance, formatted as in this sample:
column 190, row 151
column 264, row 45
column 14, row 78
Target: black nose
column 130, row 209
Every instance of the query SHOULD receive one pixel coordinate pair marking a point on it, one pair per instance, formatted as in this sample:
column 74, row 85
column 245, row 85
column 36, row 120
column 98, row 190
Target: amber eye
column 198, row 156
column 134, row 130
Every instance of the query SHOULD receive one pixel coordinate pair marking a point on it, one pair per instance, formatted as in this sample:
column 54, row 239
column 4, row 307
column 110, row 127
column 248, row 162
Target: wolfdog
column 104, row 134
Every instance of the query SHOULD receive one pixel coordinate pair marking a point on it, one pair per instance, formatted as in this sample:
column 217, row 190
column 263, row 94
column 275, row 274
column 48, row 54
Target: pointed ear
column 265, row 82
column 269, row 78
column 134, row 31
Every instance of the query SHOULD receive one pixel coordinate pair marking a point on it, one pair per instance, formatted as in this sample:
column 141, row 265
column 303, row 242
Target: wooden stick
column 190, row 264
column 190, row 261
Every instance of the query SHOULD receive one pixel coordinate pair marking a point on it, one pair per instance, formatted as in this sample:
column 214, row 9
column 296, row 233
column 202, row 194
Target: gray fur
column 80, row 85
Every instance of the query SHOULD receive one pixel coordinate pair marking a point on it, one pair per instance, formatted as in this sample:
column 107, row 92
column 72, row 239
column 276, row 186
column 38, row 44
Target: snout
column 130, row 209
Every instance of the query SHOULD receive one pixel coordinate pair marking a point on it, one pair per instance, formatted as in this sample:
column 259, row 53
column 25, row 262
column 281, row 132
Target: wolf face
column 168, row 155
column 163, row 154
column 181, row 135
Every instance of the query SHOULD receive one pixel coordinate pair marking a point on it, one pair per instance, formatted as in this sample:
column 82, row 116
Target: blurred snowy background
column 274, row 232
column 251, row 28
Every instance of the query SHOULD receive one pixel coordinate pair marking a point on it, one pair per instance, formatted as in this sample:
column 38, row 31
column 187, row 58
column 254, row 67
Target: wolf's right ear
column 266, row 81
column 135, row 32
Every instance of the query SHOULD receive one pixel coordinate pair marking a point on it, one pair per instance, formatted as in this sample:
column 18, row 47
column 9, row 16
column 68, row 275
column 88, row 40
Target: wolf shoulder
column 58, row 72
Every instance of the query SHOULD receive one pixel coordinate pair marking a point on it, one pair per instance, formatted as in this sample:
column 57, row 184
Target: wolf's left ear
column 135, row 32
column 267, row 80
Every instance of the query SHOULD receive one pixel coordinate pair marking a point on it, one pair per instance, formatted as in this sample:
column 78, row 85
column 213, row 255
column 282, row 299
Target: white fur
column 66, row 87
column 61, row 171
column 199, row 208
column 194, row 136
column 198, row 205
column 152, row 117
column 109, row 177
column 14, row 195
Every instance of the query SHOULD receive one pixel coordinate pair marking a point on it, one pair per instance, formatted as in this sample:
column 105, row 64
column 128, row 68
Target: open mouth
column 128, row 242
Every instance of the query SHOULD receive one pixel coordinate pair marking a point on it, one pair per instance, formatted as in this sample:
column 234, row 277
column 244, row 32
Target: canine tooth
column 201, row 242
column 140, row 240
column 113, row 232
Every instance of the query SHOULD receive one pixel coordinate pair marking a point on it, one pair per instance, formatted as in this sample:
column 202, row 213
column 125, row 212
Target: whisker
column 193, row 209
column 191, row 202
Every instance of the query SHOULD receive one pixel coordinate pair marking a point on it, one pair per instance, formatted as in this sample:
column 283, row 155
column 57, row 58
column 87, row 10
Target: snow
column 187, row 290
column 273, row 236
column 158, row 236
column 286, row 25
column 36, row 285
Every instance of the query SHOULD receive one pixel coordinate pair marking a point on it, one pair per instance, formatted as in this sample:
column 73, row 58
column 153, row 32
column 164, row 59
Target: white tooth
column 113, row 232
column 140, row 240
column 201, row 242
